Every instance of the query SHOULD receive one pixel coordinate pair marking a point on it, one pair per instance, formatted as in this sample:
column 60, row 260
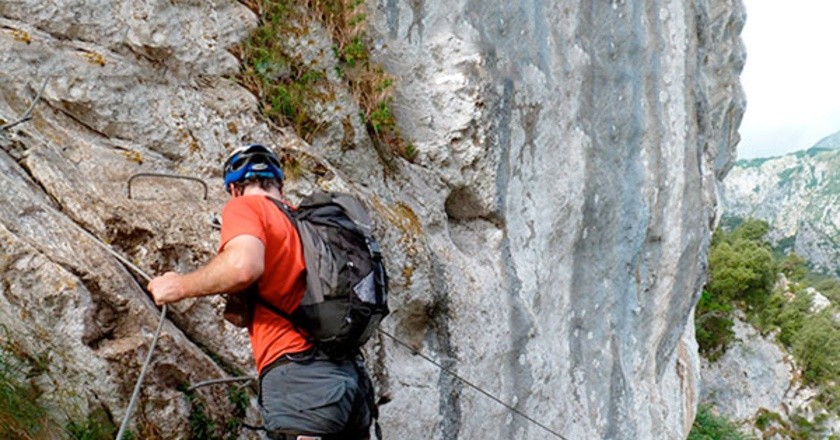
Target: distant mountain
column 798, row 194
column 828, row 143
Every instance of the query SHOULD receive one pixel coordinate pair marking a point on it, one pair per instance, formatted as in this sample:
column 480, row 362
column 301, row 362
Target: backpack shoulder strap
column 287, row 316
column 285, row 209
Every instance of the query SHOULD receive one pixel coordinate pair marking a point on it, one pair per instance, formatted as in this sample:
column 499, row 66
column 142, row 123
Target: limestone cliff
column 547, row 242
column 797, row 195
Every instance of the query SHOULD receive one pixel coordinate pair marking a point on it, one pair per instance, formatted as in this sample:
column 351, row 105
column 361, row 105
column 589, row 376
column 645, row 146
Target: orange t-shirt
column 282, row 283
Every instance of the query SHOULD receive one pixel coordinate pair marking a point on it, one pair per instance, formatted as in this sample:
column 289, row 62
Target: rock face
column 797, row 195
column 753, row 374
column 548, row 243
column 756, row 377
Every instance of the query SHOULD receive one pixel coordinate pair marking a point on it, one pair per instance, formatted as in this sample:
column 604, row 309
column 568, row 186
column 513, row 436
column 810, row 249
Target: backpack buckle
column 373, row 247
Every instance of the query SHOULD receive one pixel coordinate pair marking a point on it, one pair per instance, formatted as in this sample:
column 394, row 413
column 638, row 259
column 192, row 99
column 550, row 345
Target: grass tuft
column 709, row 426
column 290, row 89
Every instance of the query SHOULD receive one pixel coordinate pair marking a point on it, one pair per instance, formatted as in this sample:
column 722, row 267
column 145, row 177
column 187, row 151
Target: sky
column 792, row 75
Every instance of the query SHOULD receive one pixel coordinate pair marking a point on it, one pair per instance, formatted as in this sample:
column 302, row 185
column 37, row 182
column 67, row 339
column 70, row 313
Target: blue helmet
column 251, row 161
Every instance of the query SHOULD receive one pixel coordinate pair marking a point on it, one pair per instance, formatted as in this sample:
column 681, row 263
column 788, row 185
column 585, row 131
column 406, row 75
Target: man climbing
column 303, row 393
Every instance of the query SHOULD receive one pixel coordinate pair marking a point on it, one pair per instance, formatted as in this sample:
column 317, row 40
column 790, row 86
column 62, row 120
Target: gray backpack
column 346, row 284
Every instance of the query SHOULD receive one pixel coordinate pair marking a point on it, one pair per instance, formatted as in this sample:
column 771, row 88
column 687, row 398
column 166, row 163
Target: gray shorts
column 318, row 397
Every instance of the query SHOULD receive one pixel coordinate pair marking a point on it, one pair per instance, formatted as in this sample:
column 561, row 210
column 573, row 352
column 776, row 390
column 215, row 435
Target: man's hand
column 167, row 288
column 240, row 264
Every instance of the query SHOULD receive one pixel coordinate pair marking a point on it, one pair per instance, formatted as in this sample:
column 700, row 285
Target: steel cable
column 125, row 261
column 471, row 385
column 139, row 383
column 136, row 393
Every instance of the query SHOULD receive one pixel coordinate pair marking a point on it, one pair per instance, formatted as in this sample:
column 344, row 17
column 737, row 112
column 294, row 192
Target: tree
column 742, row 271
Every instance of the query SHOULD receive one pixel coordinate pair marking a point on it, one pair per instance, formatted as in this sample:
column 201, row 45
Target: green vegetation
column 772, row 425
column 95, row 427
column 811, row 152
column 205, row 427
column 784, row 176
column 29, row 412
column 293, row 89
column 26, row 412
column 753, row 163
column 286, row 86
column 708, row 426
column 785, row 245
column 21, row 415
column 240, row 401
column 202, row 426
column 742, row 273
column 766, row 420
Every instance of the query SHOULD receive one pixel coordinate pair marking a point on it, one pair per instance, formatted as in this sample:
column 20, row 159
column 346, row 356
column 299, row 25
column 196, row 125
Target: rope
column 471, row 385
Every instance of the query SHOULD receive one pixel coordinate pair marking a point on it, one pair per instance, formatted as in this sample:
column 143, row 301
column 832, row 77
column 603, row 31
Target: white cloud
column 792, row 75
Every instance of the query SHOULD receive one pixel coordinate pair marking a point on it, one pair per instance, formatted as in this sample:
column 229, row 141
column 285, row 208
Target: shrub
column 95, row 427
column 709, row 426
column 741, row 274
column 773, row 426
column 741, row 271
column 713, row 326
column 767, row 419
column 202, row 426
column 794, row 267
column 817, row 349
column 787, row 316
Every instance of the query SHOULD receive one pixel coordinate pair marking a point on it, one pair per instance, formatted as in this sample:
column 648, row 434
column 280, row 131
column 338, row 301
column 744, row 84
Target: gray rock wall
column 603, row 127
column 548, row 243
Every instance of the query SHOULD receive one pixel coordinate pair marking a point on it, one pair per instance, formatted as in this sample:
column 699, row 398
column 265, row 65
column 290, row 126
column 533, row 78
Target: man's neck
column 258, row 191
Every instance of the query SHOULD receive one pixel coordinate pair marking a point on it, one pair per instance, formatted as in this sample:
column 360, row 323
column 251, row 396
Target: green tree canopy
column 741, row 270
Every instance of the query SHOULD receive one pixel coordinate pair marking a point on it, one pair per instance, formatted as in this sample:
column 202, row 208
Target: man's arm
column 240, row 263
